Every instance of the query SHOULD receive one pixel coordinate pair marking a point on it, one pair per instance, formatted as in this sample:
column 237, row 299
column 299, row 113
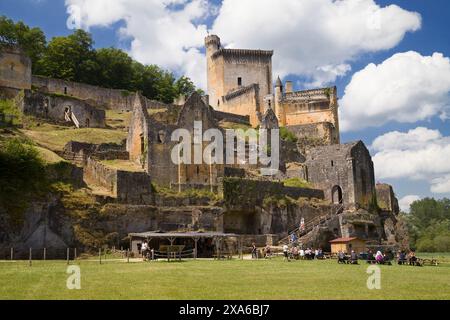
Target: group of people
column 295, row 252
column 379, row 258
column 146, row 251
column 410, row 258
column 344, row 258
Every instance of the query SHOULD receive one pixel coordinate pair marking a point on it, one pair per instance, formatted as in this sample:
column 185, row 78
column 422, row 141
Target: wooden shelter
column 347, row 245
column 194, row 240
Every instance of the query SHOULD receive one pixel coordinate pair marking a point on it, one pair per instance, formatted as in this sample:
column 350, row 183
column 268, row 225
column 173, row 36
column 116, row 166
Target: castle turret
column 212, row 44
column 278, row 97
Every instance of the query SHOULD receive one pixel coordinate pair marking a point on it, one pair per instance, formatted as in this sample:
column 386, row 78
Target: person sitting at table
column 401, row 257
column 353, row 257
column 319, row 254
column 379, row 258
column 267, row 252
column 342, row 258
column 370, row 257
column 412, row 258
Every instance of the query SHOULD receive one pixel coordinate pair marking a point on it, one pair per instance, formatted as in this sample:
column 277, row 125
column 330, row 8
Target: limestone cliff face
column 43, row 226
column 77, row 220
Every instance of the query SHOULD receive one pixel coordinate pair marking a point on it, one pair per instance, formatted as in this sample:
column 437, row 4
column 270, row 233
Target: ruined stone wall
column 315, row 134
column 244, row 102
column 98, row 174
column 364, row 175
column 311, row 107
column 246, row 192
column 346, row 170
column 386, row 198
column 231, row 117
column 48, row 106
column 101, row 97
column 15, row 69
column 128, row 187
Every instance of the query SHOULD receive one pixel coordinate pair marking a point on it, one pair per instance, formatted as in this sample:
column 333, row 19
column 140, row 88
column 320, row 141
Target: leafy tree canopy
column 74, row 58
column 429, row 224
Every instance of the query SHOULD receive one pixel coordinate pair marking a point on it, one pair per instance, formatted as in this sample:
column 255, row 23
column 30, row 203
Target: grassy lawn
column 118, row 119
column 55, row 137
column 125, row 165
column 236, row 279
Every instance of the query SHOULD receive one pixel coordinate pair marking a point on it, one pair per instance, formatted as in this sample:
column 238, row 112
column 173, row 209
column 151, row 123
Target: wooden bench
column 431, row 262
column 223, row 256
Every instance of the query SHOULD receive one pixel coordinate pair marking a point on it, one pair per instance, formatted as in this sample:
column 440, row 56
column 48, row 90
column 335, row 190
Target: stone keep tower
column 238, row 79
column 15, row 69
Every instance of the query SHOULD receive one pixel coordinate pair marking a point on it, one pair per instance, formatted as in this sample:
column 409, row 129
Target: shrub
column 287, row 135
column 296, row 182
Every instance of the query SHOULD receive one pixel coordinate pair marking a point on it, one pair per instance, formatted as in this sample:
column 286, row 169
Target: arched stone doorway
column 336, row 195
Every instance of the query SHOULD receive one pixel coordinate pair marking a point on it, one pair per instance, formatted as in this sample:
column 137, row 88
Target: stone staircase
column 305, row 234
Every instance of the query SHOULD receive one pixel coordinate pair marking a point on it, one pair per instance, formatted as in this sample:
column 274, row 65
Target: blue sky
column 433, row 36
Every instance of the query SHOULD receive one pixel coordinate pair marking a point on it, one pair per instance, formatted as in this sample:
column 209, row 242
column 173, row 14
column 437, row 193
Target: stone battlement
column 243, row 54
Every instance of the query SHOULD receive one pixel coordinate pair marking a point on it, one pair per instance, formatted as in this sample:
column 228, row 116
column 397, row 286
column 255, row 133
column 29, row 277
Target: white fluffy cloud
column 407, row 87
column 406, row 201
column 419, row 154
column 313, row 38
column 163, row 32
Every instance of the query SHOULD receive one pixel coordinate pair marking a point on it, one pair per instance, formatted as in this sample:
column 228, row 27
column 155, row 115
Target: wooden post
column 100, row 255
column 12, row 253
column 68, row 255
column 195, row 248
column 45, row 254
column 153, row 254
column 75, row 254
column 179, row 170
column 240, row 248
column 29, row 258
column 128, row 255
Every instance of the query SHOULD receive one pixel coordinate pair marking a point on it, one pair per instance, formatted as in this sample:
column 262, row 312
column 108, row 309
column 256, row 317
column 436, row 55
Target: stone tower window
column 142, row 144
column 65, row 90
column 12, row 66
column 332, row 163
column 161, row 136
column 239, row 81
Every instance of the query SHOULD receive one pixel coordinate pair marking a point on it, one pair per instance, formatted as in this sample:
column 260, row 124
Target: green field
column 235, row 279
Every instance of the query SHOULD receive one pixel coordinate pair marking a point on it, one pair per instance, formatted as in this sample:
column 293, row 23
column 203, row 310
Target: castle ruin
column 341, row 191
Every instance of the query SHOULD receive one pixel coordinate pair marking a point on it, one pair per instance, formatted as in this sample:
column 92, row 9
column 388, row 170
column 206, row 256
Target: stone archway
column 336, row 195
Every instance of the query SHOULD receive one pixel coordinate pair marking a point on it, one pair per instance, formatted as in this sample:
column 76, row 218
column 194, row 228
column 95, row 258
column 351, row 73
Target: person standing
column 286, row 252
column 144, row 250
column 254, row 251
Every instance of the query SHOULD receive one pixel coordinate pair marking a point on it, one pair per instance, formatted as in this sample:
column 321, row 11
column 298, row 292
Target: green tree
column 116, row 69
column 71, row 58
column 31, row 40
column 8, row 36
column 429, row 224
